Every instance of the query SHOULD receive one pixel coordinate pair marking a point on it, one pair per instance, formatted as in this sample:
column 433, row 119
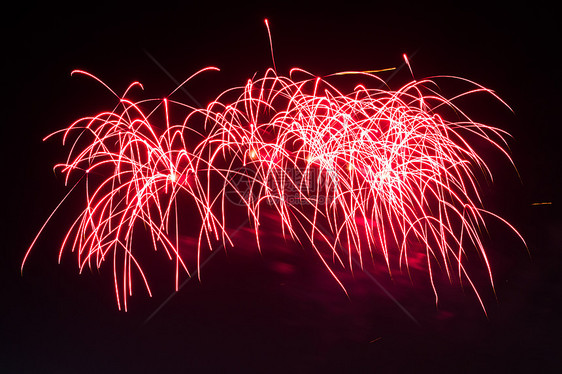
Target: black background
column 244, row 316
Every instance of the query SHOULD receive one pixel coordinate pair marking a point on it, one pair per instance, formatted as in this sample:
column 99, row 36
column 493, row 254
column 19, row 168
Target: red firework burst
column 352, row 173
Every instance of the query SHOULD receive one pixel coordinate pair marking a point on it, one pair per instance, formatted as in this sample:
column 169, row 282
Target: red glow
column 394, row 169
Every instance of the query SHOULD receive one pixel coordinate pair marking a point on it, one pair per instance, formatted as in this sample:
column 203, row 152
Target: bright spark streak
column 381, row 169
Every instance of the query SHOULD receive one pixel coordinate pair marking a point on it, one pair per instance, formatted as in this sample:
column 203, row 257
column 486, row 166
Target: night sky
column 278, row 311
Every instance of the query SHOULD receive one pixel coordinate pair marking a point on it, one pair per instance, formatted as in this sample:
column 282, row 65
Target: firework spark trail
column 387, row 157
column 133, row 174
column 379, row 168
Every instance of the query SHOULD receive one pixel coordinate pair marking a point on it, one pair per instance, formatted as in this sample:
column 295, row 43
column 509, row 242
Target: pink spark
column 352, row 173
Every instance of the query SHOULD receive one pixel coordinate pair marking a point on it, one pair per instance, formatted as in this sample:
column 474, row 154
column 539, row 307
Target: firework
column 353, row 174
column 366, row 171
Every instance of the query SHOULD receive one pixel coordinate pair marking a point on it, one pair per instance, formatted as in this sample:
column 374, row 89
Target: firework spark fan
column 352, row 174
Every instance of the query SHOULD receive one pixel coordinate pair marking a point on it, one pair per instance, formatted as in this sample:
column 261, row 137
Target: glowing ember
column 354, row 174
